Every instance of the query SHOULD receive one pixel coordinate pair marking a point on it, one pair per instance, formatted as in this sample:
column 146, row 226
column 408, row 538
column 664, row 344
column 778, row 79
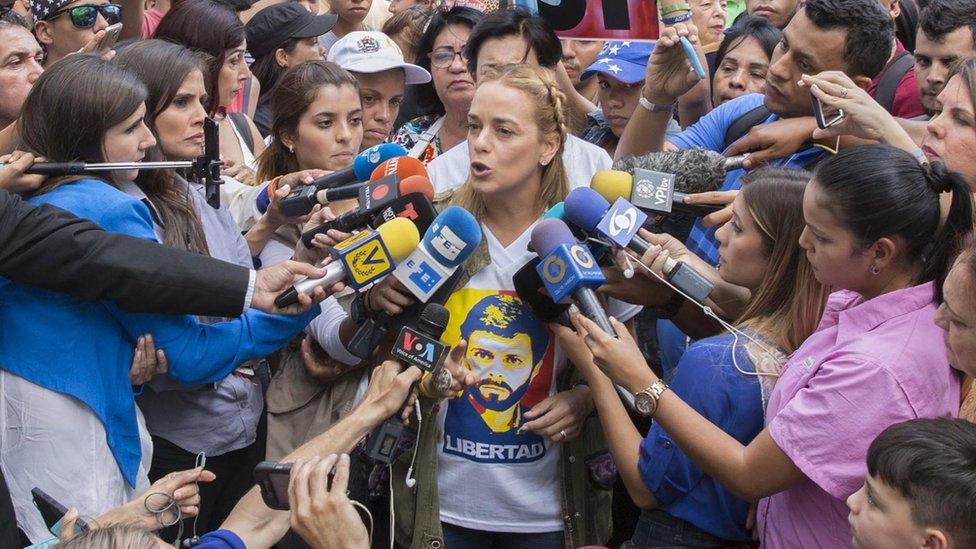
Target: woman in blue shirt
column 66, row 407
column 728, row 377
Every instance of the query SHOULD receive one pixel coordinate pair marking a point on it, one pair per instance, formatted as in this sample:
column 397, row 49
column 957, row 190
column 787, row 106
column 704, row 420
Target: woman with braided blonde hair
column 503, row 460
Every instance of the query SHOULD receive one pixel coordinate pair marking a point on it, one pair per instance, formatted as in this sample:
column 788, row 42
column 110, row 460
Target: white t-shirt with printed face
column 451, row 168
column 490, row 476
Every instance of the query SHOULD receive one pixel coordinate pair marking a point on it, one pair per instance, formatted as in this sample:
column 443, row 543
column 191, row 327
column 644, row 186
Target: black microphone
column 387, row 191
column 529, row 287
column 302, row 200
column 418, row 345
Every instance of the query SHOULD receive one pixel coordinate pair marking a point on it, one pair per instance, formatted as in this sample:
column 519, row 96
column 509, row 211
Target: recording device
column 323, row 190
column 301, row 201
column 619, row 223
column 272, row 478
column 361, row 259
column 568, row 269
column 660, row 182
column 529, row 287
column 826, row 116
column 52, row 511
column 447, row 243
column 394, row 195
column 112, row 33
column 206, row 167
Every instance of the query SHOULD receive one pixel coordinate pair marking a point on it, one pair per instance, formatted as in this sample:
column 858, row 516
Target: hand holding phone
column 52, row 511
column 112, row 33
column 826, row 117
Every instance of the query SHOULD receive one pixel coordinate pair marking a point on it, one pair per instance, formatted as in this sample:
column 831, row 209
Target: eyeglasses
column 444, row 59
column 84, row 17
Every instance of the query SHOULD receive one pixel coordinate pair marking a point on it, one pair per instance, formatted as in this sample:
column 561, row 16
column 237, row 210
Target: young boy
column 351, row 15
column 921, row 487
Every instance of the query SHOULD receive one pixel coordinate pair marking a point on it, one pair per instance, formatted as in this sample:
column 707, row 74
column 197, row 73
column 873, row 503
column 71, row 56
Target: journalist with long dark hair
column 82, row 439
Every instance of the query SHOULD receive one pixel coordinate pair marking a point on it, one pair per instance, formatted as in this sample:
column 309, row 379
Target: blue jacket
column 85, row 349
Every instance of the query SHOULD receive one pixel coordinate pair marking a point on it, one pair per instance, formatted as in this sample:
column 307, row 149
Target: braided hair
column 550, row 117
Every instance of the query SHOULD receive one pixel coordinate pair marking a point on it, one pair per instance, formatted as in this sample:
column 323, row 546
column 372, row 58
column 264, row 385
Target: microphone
column 386, row 177
column 568, row 269
column 447, row 243
column 381, row 193
column 659, row 182
column 450, row 240
column 361, row 259
column 302, row 198
column 619, row 223
column 529, row 286
column 419, row 346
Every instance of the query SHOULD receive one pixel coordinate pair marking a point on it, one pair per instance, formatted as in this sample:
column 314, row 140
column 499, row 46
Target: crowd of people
column 820, row 395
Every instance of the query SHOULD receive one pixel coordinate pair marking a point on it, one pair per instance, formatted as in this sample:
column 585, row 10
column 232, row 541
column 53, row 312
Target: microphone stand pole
column 206, row 167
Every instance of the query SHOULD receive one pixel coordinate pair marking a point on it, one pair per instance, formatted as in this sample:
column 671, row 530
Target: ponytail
column 958, row 224
column 879, row 191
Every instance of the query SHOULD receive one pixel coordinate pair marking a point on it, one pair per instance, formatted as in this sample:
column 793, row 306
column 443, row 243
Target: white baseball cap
column 371, row 51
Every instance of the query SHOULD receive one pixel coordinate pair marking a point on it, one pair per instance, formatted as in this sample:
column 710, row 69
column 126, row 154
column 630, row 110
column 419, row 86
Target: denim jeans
column 456, row 537
column 658, row 530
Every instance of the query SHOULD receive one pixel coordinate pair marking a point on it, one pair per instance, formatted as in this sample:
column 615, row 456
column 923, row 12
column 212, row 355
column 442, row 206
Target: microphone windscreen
column 549, row 234
column 402, row 166
column 585, row 208
column 400, row 236
column 453, row 236
column 435, row 318
column 695, row 170
column 613, row 184
column 557, row 211
column 416, row 184
column 368, row 160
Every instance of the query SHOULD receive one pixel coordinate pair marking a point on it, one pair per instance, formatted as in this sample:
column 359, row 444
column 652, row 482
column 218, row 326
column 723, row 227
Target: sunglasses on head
column 84, row 17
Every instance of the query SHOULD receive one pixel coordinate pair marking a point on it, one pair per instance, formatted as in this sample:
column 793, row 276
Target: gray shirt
column 213, row 418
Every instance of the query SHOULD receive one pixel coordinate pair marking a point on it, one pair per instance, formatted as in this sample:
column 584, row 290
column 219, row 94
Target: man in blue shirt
column 852, row 36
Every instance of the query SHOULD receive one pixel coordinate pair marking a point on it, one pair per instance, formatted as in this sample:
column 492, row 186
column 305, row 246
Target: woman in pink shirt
column 877, row 358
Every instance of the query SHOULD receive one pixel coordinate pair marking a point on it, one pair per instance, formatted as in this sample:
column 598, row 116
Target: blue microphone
column 588, row 210
column 448, row 242
column 303, row 198
column 569, row 269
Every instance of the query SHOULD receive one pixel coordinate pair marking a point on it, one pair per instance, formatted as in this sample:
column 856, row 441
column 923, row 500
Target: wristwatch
column 357, row 309
column 645, row 401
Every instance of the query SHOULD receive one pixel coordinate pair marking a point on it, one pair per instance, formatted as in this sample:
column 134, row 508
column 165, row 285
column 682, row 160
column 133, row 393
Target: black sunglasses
column 84, row 17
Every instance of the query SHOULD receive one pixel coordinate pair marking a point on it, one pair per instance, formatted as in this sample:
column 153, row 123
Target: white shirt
column 490, row 477
column 56, row 443
column 450, row 169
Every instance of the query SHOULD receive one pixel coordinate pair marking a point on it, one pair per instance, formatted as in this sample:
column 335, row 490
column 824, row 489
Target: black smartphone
column 52, row 511
column 826, row 116
column 272, row 478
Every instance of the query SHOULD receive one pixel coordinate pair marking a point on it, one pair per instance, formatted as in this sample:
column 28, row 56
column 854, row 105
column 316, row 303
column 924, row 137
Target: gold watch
column 645, row 401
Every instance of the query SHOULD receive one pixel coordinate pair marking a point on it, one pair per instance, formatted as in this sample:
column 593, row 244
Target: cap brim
column 316, row 26
column 413, row 73
column 629, row 72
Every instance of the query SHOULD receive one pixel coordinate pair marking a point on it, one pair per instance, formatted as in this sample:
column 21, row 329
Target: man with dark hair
column 851, row 36
column 947, row 33
column 509, row 37
column 920, row 490
column 895, row 87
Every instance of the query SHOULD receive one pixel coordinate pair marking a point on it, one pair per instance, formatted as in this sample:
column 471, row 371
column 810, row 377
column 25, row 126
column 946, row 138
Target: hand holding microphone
column 362, row 259
column 301, row 199
column 620, row 224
